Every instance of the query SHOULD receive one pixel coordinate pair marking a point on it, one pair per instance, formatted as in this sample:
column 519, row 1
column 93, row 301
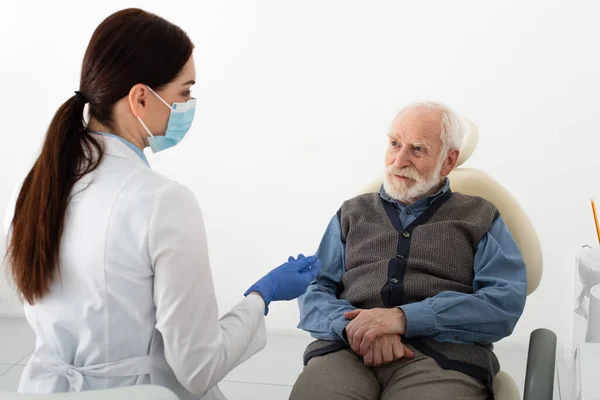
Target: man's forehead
column 420, row 121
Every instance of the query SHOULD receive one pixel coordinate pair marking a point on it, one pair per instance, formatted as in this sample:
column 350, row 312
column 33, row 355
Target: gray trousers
column 343, row 375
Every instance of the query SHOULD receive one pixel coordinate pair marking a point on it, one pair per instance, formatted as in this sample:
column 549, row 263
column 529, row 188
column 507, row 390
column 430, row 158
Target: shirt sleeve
column 200, row 348
column 491, row 312
column 321, row 311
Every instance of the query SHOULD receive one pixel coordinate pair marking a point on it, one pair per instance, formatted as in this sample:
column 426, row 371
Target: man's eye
column 394, row 143
column 417, row 148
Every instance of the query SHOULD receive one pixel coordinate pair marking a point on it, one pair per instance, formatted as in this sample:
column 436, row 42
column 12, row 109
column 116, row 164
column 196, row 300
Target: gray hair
column 453, row 129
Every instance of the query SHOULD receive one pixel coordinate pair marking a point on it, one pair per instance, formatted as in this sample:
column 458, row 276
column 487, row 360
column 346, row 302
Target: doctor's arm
column 200, row 348
column 321, row 312
column 491, row 312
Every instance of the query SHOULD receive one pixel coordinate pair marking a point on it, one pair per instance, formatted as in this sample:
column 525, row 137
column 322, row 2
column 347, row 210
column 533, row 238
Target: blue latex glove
column 288, row 281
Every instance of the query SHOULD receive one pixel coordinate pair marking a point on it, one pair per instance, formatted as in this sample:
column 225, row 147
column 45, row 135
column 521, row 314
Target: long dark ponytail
column 129, row 47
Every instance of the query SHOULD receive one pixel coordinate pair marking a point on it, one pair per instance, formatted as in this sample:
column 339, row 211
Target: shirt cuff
column 338, row 327
column 419, row 319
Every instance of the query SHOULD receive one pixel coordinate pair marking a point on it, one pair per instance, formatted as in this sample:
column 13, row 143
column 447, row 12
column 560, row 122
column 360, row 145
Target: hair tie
column 81, row 97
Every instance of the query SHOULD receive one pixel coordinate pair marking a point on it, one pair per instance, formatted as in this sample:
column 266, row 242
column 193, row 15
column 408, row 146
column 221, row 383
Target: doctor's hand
column 385, row 350
column 288, row 281
column 367, row 325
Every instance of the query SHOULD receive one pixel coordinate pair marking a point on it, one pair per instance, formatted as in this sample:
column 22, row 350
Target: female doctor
column 111, row 257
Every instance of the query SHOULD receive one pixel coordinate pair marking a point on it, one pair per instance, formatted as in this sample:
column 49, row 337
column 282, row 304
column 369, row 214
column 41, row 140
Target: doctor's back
column 110, row 257
column 102, row 307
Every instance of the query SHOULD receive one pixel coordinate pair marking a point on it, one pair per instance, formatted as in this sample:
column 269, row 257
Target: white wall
column 295, row 99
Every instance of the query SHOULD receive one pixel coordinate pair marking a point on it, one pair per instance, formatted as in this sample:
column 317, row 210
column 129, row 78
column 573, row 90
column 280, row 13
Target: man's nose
column 402, row 159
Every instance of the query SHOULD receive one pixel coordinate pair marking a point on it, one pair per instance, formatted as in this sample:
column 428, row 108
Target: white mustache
column 407, row 172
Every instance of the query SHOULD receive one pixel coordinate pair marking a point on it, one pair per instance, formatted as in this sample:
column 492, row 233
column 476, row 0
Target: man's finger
column 352, row 314
column 367, row 339
column 368, row 358
column 355, row 344
column 388, row 354
column 350, row 328
column 398, row 349
column 351, row 331
column 358, row 338
column 408, row 353
column 377, row 356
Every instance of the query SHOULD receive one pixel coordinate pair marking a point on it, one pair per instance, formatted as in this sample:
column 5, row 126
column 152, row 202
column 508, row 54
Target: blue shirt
column 487, row 315
column 132, row 146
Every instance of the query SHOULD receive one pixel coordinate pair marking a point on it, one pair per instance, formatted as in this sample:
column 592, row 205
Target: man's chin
column 402, row 184
column 405, row 191
column 396, row 189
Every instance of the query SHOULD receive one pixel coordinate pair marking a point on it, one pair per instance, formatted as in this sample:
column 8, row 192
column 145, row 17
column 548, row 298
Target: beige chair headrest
column 469, row 142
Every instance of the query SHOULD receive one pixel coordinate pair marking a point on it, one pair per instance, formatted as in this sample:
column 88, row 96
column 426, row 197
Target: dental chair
column 146, row 392
column 539, row 379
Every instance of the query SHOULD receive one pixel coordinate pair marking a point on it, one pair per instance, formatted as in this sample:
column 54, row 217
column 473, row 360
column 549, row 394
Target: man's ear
column 450, row 162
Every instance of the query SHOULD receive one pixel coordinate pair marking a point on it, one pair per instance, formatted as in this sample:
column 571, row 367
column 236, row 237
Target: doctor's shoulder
column 154, row 189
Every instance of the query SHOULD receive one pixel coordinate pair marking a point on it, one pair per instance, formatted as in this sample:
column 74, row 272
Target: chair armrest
column 541, row 362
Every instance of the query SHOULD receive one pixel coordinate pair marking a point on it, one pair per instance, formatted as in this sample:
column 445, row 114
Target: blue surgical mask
column 180, row 120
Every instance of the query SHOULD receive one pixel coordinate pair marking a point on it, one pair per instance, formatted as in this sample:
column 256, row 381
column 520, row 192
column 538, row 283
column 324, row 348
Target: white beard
column 408, row 194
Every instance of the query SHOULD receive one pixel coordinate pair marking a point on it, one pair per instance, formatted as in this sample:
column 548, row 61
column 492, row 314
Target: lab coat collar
column 115, row 147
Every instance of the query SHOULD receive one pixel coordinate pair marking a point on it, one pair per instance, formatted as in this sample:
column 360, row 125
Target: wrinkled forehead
column 418, row 122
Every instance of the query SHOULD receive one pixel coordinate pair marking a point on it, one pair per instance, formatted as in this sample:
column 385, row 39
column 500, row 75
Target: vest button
column 408, row 212
column 406, row 234
column 394, row 280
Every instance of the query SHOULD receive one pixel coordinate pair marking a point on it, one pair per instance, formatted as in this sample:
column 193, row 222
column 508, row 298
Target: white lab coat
column 134, row 302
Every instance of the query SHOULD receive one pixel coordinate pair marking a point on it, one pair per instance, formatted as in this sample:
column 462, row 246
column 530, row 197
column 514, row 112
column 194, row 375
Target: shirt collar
column 425, row 201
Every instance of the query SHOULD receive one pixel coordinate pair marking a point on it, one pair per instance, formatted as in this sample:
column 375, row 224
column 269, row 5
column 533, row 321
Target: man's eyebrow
column 421, row 144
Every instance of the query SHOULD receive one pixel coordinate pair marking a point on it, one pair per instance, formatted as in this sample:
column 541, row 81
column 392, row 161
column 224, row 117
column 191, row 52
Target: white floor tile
column 279, row 363
column 254, row 391
column 16, row 340
column 9, row 381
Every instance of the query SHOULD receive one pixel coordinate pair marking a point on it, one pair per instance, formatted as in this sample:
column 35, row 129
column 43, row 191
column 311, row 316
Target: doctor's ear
column 138, row 99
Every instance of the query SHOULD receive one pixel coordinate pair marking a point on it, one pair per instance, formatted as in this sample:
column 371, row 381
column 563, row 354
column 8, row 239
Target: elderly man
column 417, row 281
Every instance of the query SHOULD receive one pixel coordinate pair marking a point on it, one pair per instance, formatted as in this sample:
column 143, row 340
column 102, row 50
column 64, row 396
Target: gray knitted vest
column 388, row 266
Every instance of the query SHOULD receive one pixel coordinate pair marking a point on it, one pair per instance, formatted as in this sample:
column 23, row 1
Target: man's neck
column 435, row 189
